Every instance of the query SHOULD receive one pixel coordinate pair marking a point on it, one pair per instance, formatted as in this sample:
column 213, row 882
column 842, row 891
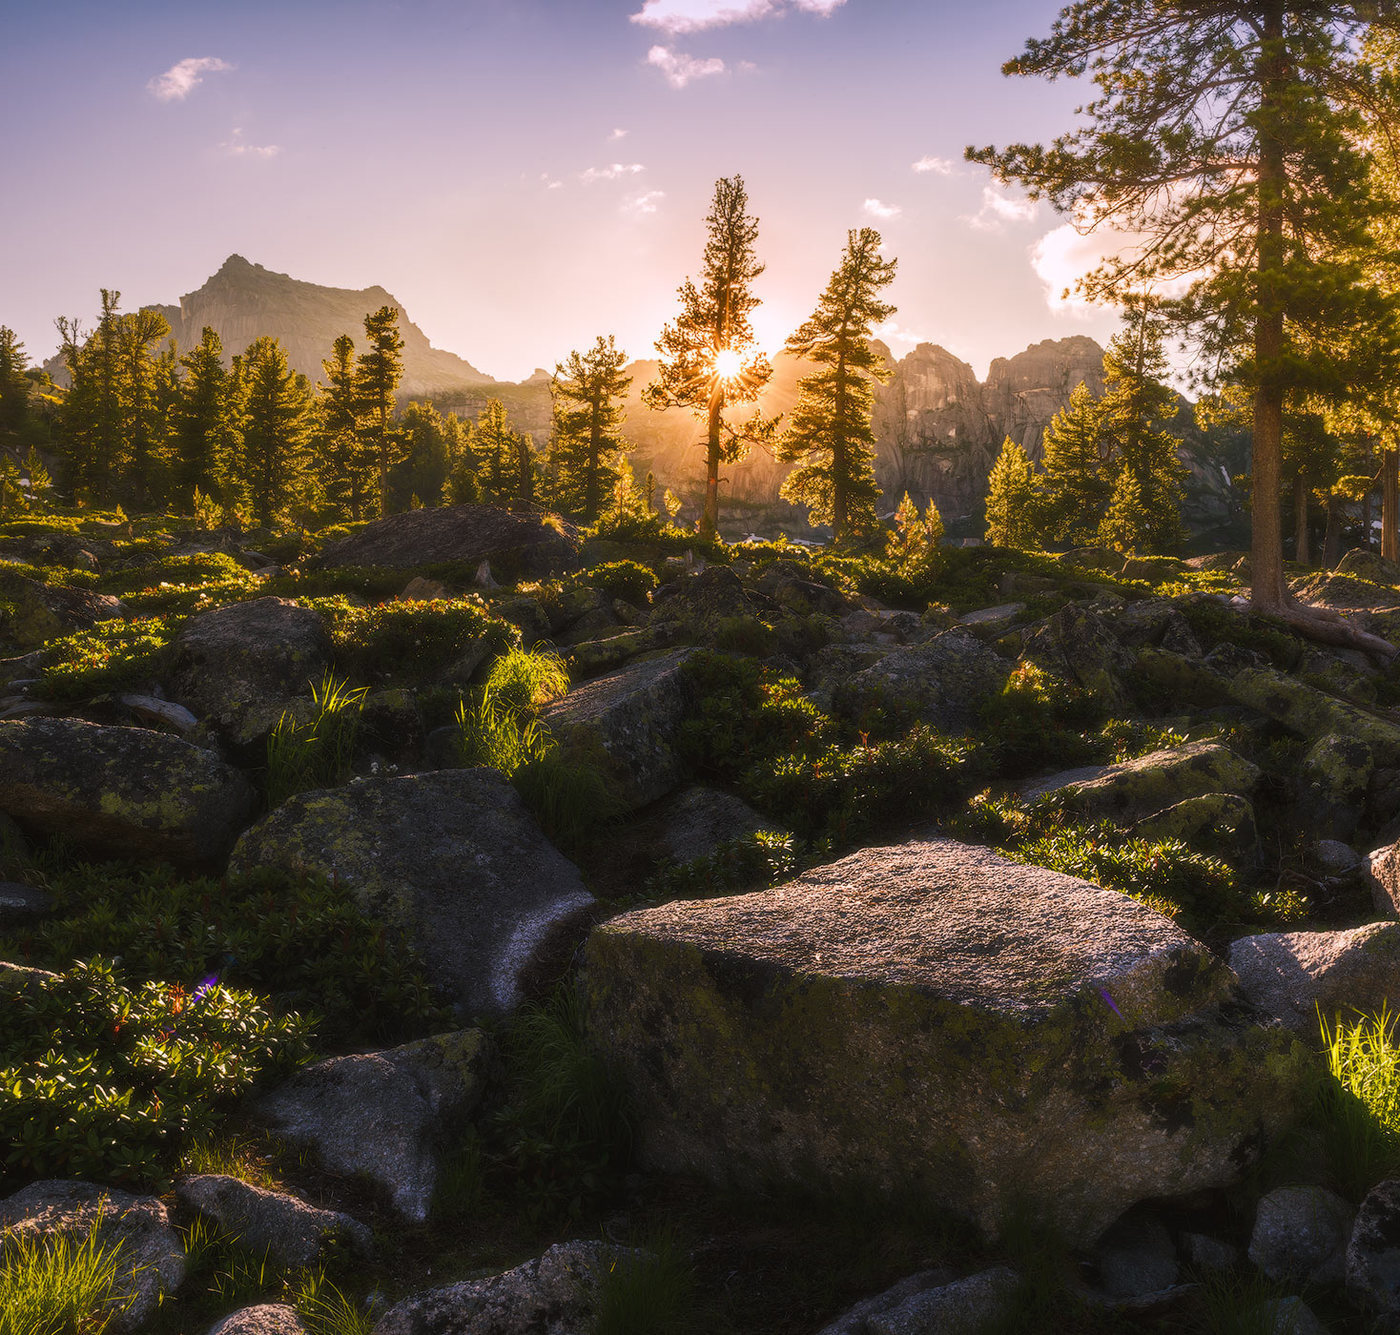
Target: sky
column 524, row 175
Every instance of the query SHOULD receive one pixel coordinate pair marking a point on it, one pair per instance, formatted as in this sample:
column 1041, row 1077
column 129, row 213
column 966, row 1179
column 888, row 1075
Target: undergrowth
column 60, row 1284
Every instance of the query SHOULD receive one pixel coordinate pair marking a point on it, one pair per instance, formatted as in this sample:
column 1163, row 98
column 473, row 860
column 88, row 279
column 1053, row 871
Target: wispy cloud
column 894, row 332
column 928, row 163
column 181, row 79
column 683, row 16
column 681, row 69
column 617, row 134
column 876, row 209
column 237, row 148
column 643, row 202
column 997, row 210
column 613, row 172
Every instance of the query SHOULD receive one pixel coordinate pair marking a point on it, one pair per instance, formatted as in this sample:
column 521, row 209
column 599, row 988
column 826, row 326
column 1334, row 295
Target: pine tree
column 709, row 358
column 913, row 546
column 143, row 427
column 14, row 384
column 206, row 434
column 830, row 432
column 427, row 459
column 587, row 444
column 503, row 457
column 276, row 423
column 377, row 377
column 347, row 475
column 1127, row 525
column 92, row 411
column 1011, row 499
column 1075, row 490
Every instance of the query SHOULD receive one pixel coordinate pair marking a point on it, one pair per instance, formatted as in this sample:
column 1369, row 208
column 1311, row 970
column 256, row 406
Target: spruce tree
column 1011, row 499
column 1127, row 524
column 709, row 358
column 206, row 436
column 14, row 384
column 276, row 423
column 143, row 427
column 347, row 474
column 587, row 443
column 92, row 411
column 377, row 377
column 830, row 433
column 503, row 457
column 1075, row 489
column 427, row 459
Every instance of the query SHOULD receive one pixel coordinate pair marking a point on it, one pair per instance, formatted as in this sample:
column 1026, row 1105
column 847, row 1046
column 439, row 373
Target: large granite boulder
column 935, row 1023
column 1292, row 976
column 943, row 682
column 451, row 857
column 1312, row 713
column 1382, row 871
column 242, row 666
column 151, row 1260
column 40, row 612
column 1373, row 1256
column 121, row 792
column 697, row 604
column 628, row 720
column 514, row 544
column 1077, row 644
column 263, row 1319
column 388, row 1115
column 1300, row 1235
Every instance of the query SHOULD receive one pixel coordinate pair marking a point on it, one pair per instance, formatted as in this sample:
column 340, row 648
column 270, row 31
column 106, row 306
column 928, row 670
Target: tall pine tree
column 1075, row 488
column 377, row 377
column 1011, row 499
column 276, row 423
column 206, row 436
column 347, row 473
column 587, row 443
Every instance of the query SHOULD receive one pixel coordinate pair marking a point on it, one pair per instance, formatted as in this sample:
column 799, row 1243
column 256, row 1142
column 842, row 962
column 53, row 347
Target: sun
column 728, row 364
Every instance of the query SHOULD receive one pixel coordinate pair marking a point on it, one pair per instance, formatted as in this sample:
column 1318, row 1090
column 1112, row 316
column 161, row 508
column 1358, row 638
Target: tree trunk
column 1390, row 505
column 1366, row 522
column 1300, row 520
column 709, row 519
column 1332, row 543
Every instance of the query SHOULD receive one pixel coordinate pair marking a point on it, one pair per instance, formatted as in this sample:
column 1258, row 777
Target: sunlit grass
column 59, row 1285
column 1361, row 1102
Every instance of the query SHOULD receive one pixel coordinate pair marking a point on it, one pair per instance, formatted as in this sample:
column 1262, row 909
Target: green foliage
column 495, row 732
column 1360, row 1104
column 527, row 679
column 411, row 640
column 1038, row 720
column 1214, row 623
column 648, row 1291
column 319, row 751
column 98, row 1080
column 587, row 447
column 325, row 1310
column 302, row 941
column 60, row 1284
column 629, row 580
column 1127, row 522
column 1011, row 498
column 569, row 796
column 752, row 862
column 112, row 655
column 913, row 548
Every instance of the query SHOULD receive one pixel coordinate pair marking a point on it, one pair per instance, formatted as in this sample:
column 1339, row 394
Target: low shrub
column 1038, row 720
column 193, row 569
column 569, row 796
column 411, row 640
column 110, row 656
column 629, row 580
column 752, row 862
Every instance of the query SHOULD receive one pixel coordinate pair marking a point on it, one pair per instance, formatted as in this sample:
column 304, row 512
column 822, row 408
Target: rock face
column 629, row 720
column 521, row 544
column 934, row 1022
column 121, row 792
column 152, row 1259
column 43, row 611
column 1300, row 1235
column 942, row 682
column 965, row 1307
column 452, row 857
column 1373, row 1255
column 384, row 1114
column 264, row 1319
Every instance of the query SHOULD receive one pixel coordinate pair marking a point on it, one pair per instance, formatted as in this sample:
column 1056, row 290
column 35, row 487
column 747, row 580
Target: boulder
column 1300, row 1236
column 122, row 792
column 628, row 721
column 264, row 1319
column 554, row 1294
column 388, row 1115
column 1334, row 778
column 856, row 1320
column 1292, row 976
column 697, row 604
column 591, row 658
column 1078, row 645
column 699, row 820
column 41, row 612
column 1373, row 1255
column 934, row 1023
column 453, row 858
column 1135, row 1257
column 965, row 1307
column 21, row 904
column 515, row 544
column 944, row 682
column 152, row 1260
column 291, row 1232
column 1225, row 818
column 1151, row 783
column 150, row 711
column 991, row 623
column 1283, row 1316
column 1312, row 713
column 242, row 667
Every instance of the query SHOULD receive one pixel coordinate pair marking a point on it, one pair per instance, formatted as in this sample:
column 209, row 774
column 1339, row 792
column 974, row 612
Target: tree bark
column 709, row 519
column 1300, row 520
column 1332, row 543
column 1390, row 505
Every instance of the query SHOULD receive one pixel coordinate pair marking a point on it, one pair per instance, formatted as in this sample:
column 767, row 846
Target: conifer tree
column 587, row 444
column 913, row 546
column 143, row 427
column 92, row 412
column 1128, row 523
column 709, row 358
column 502, row 455
column 427, row 458
column 377, row 378
column 1075, row 489
column 830, row 433
column 206, row 434
column 1011, row 499
column 347, row 475
column 276, row 422
column 14, row 384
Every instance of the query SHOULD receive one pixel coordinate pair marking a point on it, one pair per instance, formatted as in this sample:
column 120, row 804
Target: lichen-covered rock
column 1382, row 871
column 698, row 820
column 516, row 544
column 451, row 857
column 1225, row 818
column 964, row 1307
column 1078, row 644
column 943, row 682
column 698, row 603
column 991, row 623
column 628, row 720
column 554, row 1294
column 151, row 1260
column 1373, row 1255
column 934, row 1022
column 242, row 666
column 1312, row 713
column 121, row 792
column 288, row 1230
column 1157, row 623
column 856, row 1321
column 1300, row 1235
column 1334, row 778
column 40, row 612
column 590, row 658
column 1292, row 976
column 264, row 1319
column 1151, row 783
column 387, row 1114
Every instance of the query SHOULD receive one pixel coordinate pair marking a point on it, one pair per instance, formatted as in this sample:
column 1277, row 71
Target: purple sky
column 526, row 174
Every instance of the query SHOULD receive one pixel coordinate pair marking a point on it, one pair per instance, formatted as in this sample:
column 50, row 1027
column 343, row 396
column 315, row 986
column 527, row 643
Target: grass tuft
column 59, row 1285
column 318, row 753
column 649, row 1290
column 1361, row 1103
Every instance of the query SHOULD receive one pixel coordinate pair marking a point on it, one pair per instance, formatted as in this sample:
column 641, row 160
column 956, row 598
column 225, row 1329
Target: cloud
column 928, row 163
column 894, row 332
column 613, row 172
column 997, row 210
column 181, row 79
column 618, row 134
column 643, row 202
column 236, row 148
column 878, row 210
column 685, row 16
column 681, row 69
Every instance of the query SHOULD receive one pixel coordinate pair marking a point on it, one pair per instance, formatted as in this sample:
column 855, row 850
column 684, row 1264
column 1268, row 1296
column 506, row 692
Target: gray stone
column 1382, row 870
column 289, row 1230
column 1206, row 1254
column 856, row 1320
column 453, row 858
column 22, row 904
column 1312, row 713
column 1078, row 645
column 943, row 682
column 152, row 1261
column 13, row 977
column 554, row 1294
column 1336, row 857
column 698, row 820
column 385, row 1114
column 699, row 603
column 264, row 1319
column 1300, row 1235
column 151, row 711
column 990, row 623
column 965, row 1307
column 1334, row 778
column 1136, row 1257
column 1287, row 1316
column 1292, row 976
column 934, row 1023
column 628, row 722
column 42, row 612
column 121, row 792
column 1226, row 819
column 1373, row 1255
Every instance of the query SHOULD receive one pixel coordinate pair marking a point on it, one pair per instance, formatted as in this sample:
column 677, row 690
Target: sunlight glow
column 728, row 364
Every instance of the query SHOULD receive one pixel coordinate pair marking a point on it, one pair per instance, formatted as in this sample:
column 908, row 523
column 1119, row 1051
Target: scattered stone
column 628, row 721
column 22, row 904
column 591, row 658
column 698, row 820
column 289, row 1230
column 121, row 792
column 526, row 615
column 1311, row 713
column 387, row 1114
column 1373, row 1254
column 153, row 712
column 1300, row 1236
column 1136, row 1257
column 934, row 1022
column 965, row 1307
column 14, row 977
column 41, row 612
column 422, row 590
column 698, row 603
column 555, row 1294
column 1336, row 857
column 991, row 623
column 265, row 1319
column 856, row 1320
column 943, row 682
column 152, row 1259
column 453, row 858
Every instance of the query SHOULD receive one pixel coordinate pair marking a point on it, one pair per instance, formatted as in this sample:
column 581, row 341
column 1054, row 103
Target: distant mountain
column 244, row 301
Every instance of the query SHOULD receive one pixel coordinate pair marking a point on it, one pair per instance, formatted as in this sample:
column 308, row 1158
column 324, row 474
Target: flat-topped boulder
column 520, row 544
column 937, row 1024
column 38, row 612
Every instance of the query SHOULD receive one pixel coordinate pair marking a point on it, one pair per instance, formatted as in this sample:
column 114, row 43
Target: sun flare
column 728, row 364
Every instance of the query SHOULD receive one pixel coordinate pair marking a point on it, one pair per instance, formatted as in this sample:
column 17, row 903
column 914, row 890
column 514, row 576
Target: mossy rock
column 1312, row 713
